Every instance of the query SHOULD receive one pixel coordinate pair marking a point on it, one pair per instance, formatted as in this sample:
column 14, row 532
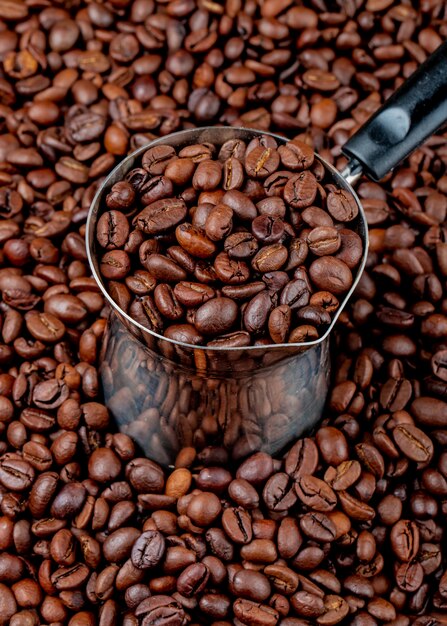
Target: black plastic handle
column 413, row 113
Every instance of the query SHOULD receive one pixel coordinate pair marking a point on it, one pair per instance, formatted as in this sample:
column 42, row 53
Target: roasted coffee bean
column 413, row 442
column 323, row 240
column 252, row 612
column 261, row 161
column 241, row 535
column 193, row 294
column 296, row 155
column 216, row 316
column 278, row 493
column 161, row 609
column 331, row 274
column 241, row 245
column 405, row 540
column 270, row 258
column 148, row 550
column 315, row 493
column 112, row 230
column 219, row 222
column 193, row 580
column 160, row 216
column 279, row 323
column 301, row 190
column 342, row 205
column 194, row 241
column 237, row 524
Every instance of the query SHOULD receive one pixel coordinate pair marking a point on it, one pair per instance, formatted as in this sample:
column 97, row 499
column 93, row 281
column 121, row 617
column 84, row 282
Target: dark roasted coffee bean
column 164, row 269
column 296, row 155
column 216, row 316
column 160, row 216
column 231, row 271
column 343, row 526
column 261, row 162
column 167, row 303
column 270, row 258
column 248, row 611
column 258, row 310
column 278, row 493
column 279, row 323
column 148, row 550
column 342, row 205
column 193, row 580
column 323, row 240
column 267, row 229
column 413, row 442
column 331, row 274
column 194, row 241
column 112, row 230
column 160, row 609
column 237, row 524
column 242, row 206
column 155, row 160
column 300, row 190
column 219, row 222
column 193, row 294
column 240, row 245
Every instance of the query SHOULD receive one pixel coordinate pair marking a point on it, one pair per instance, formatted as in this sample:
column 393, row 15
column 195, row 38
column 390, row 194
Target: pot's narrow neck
column 352, row 172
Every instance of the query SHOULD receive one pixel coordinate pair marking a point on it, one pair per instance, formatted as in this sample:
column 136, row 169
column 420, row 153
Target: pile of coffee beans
column 205, row 240
column 349, row 528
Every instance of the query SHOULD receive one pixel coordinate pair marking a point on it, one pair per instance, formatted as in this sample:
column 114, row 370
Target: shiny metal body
column 167, row 394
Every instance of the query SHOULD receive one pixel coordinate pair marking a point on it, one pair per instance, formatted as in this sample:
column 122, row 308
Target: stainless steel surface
column 352, row 172
column 167, row 394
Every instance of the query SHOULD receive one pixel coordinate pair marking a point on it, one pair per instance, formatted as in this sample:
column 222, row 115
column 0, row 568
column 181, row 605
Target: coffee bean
column 76, row 499
column 270, row 258
column 296, row 155
column 315, row 493
column 267, row 229
column 193, row 580
column 155, row 160
column 162, row 609
column 279, row 323
column 193, row 294
column 323, row 240
column 413, row 442
column 237, row 524
column 240, row 246
column 405, row 540
column 219, row 222
column 44, row 326
column 216, row 316
column 204, row 508
column 318, row 527
column 261, row 162
column 194, row 241
column 300, row 190
column 331, row 274
column 251, row 612
column 278, row 493
column 160, row 216
column 164, row 269
column 16, row 474
column 148, row 550
column 342, row 206
column 112, row 230
column 302, row 458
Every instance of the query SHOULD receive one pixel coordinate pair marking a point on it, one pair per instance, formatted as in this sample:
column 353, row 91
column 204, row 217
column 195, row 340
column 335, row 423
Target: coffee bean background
column 93, row 534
